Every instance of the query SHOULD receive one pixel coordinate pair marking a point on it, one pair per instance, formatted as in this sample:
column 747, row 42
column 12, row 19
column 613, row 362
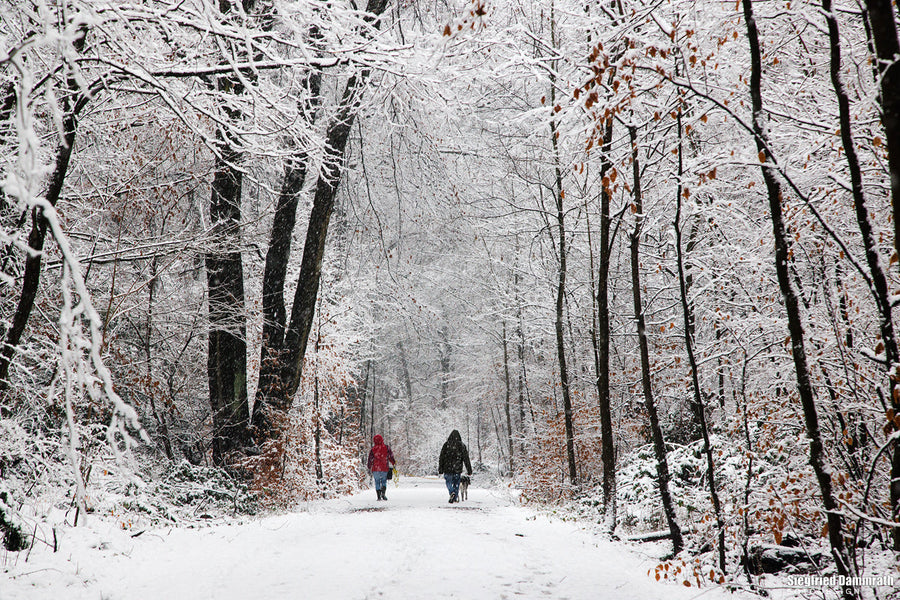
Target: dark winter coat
column 379, row 456
column 454, row 455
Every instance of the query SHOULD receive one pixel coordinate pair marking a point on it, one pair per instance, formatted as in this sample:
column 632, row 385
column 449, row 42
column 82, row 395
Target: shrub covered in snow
column 640, row 507
column 181, row 492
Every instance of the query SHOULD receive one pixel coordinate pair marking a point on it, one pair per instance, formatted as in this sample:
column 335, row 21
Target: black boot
column 384, row 494
column 378, row 493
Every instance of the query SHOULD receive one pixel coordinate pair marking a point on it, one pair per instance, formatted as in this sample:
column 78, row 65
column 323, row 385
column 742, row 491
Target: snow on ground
column 413, row 546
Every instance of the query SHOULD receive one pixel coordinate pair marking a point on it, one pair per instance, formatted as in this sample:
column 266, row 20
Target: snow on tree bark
column 73, row 102
column 879, row 278
column 795, row 325
column 289, row 359
column 659, row 444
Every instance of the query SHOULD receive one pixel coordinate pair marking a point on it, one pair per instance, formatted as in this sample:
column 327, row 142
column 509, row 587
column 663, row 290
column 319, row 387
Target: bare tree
column 283, row 366
column 659, row 445
column 795, row 325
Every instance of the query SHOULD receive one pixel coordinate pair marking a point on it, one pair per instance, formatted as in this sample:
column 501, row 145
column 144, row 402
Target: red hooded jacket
column 379, row 456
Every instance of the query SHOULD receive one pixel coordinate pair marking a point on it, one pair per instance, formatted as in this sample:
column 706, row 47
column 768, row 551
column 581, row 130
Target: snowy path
column 415, row 546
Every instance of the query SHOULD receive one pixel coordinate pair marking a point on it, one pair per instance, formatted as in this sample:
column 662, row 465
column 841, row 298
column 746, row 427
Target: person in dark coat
column 454, row 456
column 380, row 460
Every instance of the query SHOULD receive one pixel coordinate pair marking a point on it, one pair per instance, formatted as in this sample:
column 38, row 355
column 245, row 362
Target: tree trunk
column 523, row 373
column 227, row 345
column 444, row 354
column 509, row 425
column 372, row 412
column 9, row 216
column 882, row 21
column 795, row 325
column 227, row 352
column 286, row 363
column 698, row 405
column 363, row 399
column 659, row 444
column 317, row 421
column 407, row 383
column 880, row 288
column 160, row 417
column 271, row 386
column 561, row 286
column 607, row 449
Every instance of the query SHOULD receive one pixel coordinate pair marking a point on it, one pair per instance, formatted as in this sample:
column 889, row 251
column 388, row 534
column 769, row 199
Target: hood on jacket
column 378, row 440
column 454, row 436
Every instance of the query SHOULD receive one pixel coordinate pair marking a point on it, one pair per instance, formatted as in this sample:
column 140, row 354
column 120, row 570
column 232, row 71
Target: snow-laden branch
column 860, row 515
column 99, row 384
column 82, row 366
column 781, row 170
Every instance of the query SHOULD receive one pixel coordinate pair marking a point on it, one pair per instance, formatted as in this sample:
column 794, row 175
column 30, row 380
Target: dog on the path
column 464, row 482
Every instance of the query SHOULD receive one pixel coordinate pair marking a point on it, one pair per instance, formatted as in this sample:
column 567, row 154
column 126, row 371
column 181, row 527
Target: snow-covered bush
column 640, row 508
column 181, row 492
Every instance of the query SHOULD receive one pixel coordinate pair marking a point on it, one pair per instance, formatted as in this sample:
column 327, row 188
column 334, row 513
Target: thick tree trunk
column 227, row 343
column 283, row 360
column 795, row 325
column 659, row 444
column 304, row 305
column 271, row 386
column 227, row 346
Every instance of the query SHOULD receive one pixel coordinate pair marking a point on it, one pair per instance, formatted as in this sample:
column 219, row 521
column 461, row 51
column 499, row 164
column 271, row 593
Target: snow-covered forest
column 642, row 254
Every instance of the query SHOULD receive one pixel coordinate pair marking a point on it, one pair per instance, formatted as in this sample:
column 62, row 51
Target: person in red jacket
column 380, row 460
